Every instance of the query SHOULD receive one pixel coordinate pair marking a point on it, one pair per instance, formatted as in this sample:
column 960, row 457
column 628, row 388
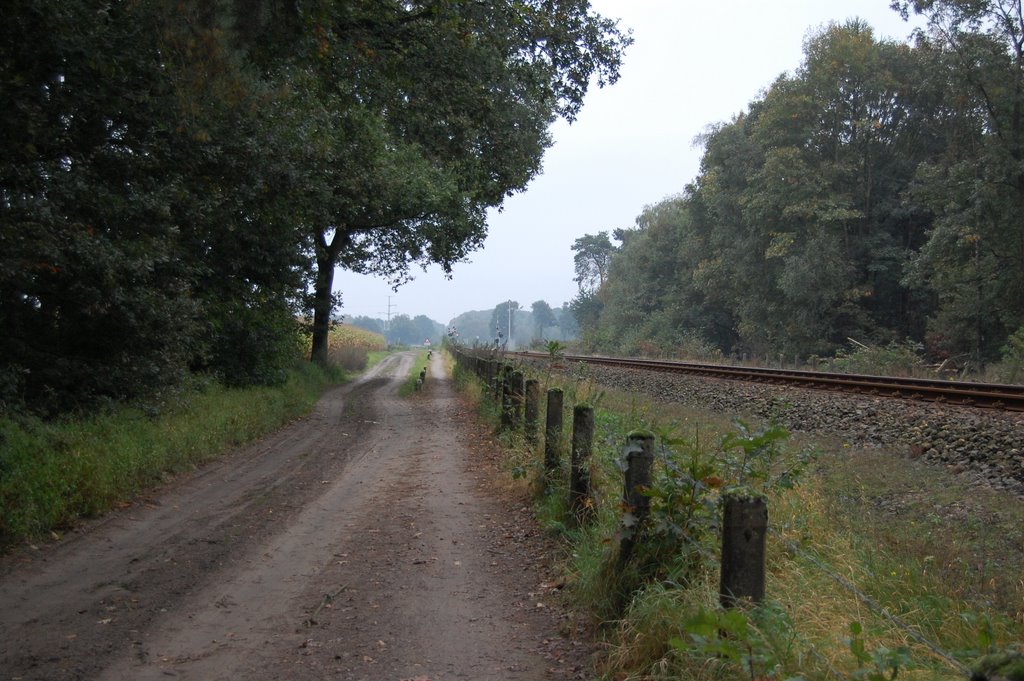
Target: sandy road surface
column 361, row 542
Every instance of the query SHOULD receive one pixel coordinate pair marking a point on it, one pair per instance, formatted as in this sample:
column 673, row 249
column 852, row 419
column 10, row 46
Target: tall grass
column 52, row 473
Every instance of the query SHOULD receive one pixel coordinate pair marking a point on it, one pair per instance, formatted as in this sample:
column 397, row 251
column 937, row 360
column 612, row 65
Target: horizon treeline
column 874, row 194
column 538, row 323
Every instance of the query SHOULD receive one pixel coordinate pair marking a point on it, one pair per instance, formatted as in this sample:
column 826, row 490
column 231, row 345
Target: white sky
column 693, row 63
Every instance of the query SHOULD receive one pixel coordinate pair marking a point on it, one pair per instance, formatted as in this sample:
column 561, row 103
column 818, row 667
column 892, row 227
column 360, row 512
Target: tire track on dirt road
column 70, row 605
column 355, row 543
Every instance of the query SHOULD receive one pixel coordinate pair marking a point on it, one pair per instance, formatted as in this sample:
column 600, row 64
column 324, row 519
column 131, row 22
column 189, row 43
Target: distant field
column 350, row 346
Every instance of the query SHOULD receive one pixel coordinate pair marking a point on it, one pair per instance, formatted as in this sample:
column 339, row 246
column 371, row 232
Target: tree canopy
column 543, row 317
column 447, row 113
column 178, row 180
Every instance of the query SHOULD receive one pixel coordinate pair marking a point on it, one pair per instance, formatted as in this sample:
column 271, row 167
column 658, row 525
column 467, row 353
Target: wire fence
column 492, row 372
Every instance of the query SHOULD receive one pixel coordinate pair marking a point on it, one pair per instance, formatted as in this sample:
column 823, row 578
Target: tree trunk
column 323, row 304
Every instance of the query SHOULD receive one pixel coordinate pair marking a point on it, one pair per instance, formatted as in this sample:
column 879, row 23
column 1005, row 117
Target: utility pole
column 387, row 323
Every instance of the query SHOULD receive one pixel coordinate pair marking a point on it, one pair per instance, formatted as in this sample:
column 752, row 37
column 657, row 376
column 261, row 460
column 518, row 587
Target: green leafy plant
column 1012, row 366
column 687, row 488
column 756, row 462
column 1006, row 664
column 684, row 503
column 880, row 664
column 759, row 641
column 555, row 349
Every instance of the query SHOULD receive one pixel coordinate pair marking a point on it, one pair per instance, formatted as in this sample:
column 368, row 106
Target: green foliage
column 433, row 150
column 1007, row 664
column 973, row 260
column 756, row 463
column 1011, row 369
column 405, row 330
column 894, row 359
column 585, row 309
column 687, row 489
column 179, row 180
column 555, row 349
column 593, row 256
column 543, row 317
column 880, row 664
column 138, row 242
column 760, row 642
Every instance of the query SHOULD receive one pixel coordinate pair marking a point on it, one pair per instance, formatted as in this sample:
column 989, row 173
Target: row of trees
column 874, row 194
column 179, row 180
column 402, row 329
column 514, row 326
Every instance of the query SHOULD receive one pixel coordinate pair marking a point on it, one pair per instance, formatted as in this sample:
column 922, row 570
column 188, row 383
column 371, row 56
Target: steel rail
column 965, row 394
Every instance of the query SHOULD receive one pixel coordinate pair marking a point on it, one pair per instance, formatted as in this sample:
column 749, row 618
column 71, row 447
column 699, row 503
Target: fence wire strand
column 871, row 603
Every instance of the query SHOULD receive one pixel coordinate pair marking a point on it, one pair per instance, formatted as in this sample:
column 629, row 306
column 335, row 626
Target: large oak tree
column 433, row 113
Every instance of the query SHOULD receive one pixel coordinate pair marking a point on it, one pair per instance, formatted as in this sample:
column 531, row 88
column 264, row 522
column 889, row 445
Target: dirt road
column 365, row 541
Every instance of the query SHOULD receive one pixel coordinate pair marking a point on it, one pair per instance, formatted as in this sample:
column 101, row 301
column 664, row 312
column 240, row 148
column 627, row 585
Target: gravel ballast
column 983, row 444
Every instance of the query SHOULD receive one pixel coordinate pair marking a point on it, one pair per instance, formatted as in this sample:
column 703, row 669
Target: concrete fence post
column 744, row 530
column 532, row 413
column 505, row 388
column 582, row 447
column 639, row 463
column 518, row 397
column 553, row 430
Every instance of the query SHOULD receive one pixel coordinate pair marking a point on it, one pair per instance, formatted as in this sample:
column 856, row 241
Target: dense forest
column 179, row 180
column 874, row 194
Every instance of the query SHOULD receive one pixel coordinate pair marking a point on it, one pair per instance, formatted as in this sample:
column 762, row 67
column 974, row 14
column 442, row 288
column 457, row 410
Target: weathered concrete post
column 532, row 413
column 492, row 375
column 501, row 383
column 582, row 447
column 506, row 398
column 639, row 462
column 553, row 430
column 744, row 529
column 518, row 397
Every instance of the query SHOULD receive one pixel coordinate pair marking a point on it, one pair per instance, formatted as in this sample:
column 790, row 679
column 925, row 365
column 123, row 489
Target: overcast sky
column 693, row 63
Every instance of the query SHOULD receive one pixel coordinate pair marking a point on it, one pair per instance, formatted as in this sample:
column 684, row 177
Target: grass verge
column 879, row 566
column 53, row 473
column 419, row 364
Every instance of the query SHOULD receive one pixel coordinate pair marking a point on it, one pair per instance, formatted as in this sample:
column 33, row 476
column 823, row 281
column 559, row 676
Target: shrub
column 894, row 359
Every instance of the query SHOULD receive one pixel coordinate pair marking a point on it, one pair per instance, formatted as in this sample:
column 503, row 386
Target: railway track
column 981, row 395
